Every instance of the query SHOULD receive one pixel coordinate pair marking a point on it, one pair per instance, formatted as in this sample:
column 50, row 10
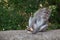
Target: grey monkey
column 39, row 21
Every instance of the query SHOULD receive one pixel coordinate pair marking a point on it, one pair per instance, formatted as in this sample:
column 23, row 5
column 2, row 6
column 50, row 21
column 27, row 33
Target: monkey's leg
column 37, row 25
column 43, row 28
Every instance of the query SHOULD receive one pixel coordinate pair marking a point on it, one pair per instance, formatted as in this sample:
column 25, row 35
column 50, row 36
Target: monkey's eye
column 46, row 12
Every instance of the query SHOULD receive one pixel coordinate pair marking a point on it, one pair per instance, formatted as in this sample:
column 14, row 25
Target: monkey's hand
column 30, row 29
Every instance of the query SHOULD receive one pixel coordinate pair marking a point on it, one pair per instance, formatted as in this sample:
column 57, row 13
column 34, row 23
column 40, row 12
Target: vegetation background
column 14, row 14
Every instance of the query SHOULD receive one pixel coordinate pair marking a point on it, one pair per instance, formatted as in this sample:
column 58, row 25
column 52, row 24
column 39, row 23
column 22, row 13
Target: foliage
column 14, row 14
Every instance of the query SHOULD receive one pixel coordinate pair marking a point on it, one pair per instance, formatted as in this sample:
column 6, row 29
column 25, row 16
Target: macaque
column 39, row 21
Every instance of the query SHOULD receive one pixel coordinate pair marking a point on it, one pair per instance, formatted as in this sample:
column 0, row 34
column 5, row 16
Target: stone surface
column 23, row 35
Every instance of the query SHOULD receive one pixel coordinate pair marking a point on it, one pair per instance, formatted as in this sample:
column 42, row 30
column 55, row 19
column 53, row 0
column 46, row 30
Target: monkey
column 39, row 21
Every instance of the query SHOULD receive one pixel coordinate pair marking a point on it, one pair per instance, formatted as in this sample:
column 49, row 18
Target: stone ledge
column 23, row 35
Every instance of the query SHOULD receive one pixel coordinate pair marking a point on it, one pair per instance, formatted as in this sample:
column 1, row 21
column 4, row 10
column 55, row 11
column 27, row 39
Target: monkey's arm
column 30, row 21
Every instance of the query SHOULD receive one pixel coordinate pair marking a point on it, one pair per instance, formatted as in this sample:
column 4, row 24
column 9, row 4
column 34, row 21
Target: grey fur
column 39, row 21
